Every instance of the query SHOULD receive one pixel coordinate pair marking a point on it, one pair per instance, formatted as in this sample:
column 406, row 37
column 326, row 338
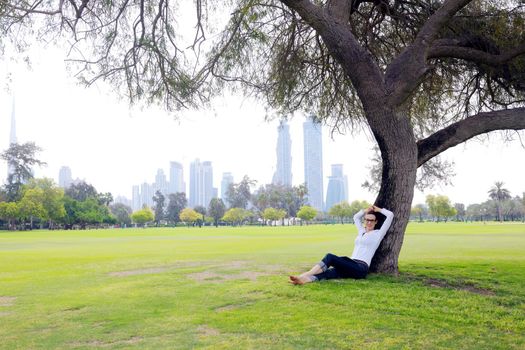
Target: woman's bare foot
column 315, row 270
column 298, row 280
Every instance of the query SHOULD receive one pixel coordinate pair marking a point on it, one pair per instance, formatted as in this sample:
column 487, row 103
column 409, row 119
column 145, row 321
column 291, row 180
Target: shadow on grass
column 454, row 283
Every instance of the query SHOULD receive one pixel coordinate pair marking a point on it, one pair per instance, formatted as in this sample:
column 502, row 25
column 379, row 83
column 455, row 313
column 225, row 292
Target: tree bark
column 398, row 147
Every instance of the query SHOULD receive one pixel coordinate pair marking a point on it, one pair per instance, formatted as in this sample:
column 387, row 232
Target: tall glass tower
column 313, row 162
column 337, row 190
column 176, row 183
column 12, row 136
column 201, row 183
column 65, row 178
column 283, row 172
column 161, row 184
column 227, row 179
column 136, row 200
column 146, row 194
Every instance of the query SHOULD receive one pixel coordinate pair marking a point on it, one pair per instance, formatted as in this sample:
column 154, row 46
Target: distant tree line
column 267, row 205
column 27, row 202
column 499, row 206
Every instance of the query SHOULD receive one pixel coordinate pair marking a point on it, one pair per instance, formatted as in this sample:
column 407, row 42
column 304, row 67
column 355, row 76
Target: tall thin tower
column 313, row 162
column 12, row 135
column 283, row 173
column 201, row 183
column 176, row 178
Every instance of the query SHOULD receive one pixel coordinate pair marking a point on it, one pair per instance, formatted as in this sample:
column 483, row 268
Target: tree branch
column 474, row 55
column 454, row 134
column 405, row 72
column 33, row 8
column 311, row 13
column 357, row 61
column 339, row 9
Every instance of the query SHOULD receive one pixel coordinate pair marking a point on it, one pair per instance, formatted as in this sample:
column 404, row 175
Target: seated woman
column 368, row 239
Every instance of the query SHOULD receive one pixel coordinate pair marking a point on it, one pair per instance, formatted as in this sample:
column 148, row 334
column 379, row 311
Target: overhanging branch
column 364, row 73
column 404, row 74
column 474, row 55
column 454, row 134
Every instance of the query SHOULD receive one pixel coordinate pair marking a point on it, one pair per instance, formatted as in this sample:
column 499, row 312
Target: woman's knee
column 329, row 258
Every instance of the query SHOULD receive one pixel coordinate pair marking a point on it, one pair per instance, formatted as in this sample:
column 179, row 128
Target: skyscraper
column 136, row 202
column 209, row 191
column 176, row 178
column 146, row 194
column 313, row 162
column 337, row 190
column 12, row 136
column 227, row 179
column 161, row 184
column 283, row 172
column 201, row 183
column 65, row 179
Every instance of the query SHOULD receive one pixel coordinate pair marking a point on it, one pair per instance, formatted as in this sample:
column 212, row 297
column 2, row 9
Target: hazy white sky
column 113, row 147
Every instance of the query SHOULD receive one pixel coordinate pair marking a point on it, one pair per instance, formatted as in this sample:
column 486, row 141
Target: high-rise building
column 146, row 194
column 195, row 183
column 136, row 201
column 313, row 162
column 209, row 191
column 161, row 184
column 65, row 179
column 201, row 183
column 283, row 172
column 337, row 190
column 227, row 179
column 12, row 136
column 176, row 178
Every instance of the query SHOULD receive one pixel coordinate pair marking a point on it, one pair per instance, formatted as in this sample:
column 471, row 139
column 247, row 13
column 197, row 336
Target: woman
column 366, row 243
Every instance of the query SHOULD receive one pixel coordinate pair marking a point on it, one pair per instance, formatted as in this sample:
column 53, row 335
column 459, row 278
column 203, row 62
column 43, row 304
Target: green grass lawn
column 462, row 286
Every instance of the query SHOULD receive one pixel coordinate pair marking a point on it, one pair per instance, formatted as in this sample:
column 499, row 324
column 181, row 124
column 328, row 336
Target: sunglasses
column 370, row 220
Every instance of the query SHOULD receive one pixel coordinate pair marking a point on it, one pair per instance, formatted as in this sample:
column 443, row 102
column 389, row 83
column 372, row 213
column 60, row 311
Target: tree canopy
column 142, row 216
column 189, row 216
column 216, row 210
column 470, row 58
column 21, row 158
column 176, row 202
column 238, row 195
column 440, row 207
column 307, row 213
column 159, row 199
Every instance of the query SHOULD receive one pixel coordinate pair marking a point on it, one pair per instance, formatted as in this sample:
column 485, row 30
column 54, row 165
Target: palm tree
column 499, row 194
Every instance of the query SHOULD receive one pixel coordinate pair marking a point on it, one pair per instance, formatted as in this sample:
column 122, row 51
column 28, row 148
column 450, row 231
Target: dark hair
column 380, row 218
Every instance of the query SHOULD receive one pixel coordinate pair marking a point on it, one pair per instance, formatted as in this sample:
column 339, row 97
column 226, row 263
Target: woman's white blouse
column 366, row 244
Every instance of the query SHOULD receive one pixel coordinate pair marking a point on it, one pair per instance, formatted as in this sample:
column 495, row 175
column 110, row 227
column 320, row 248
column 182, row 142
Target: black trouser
column 341, row 267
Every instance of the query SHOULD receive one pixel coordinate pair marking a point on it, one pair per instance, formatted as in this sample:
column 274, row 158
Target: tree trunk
column 398, row 148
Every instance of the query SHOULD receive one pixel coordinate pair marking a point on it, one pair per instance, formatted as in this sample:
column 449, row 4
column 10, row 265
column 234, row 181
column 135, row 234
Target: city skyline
column 201, row 189
column 113, row 146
